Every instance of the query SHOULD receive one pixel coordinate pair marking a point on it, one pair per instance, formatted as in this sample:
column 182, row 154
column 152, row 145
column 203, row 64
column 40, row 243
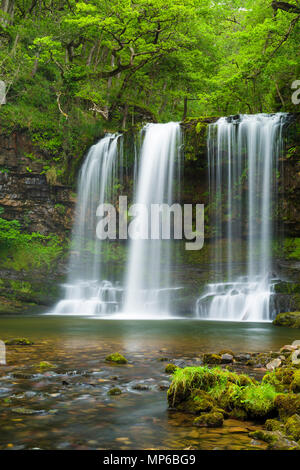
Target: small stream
column 68, row 407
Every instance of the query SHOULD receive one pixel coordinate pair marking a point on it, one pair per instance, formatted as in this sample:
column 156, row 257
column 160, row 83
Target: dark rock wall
column 25, row 193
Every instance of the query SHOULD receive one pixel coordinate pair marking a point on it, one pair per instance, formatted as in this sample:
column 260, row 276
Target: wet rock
column 22, row 375
column 211, row 359
column 26, row 411
column 18, row 342
column 274, row 425
column 295, row 383
column 210, row 420
column 226, row 358
column 114, row 391
column 290, row 319
column 275, row 439
column 198, row 402
column 170, row 368
column 295, row 357
column 273, row 364
column 164, row 385
column 45, row 365
column 243, row 357
column 287, row 348
column 287, row 404
column 292, row 427
column 116, row 358
column 226, row 351
column 141, row 387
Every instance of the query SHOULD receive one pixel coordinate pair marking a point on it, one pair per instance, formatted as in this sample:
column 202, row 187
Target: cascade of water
column 242, row 160
column 148, row 281
column 86, row 291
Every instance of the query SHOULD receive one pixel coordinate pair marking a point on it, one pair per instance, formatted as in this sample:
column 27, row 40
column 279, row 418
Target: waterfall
column 243, row 153
column 87, row 291
column 148, row 278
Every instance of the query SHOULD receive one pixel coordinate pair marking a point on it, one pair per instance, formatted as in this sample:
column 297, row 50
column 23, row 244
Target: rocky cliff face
column 27, row 192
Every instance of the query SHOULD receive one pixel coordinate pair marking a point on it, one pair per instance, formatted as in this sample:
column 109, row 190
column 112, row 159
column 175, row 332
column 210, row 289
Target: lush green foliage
column 65, row 61
column 228, row 389
column 23, row 250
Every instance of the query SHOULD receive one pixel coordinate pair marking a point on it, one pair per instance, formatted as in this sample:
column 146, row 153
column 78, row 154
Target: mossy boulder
column 276, row 440
column 292, row 426
column 274, row 425
column 226, row 351
column 257, row 400
column 287, row 404
column 238, row 413
column 45, row 365
column 212, row 358
column 290, row 319
column 210, row 420
column 116, row 358
column 114, row 391
column 170, row 368
column 295, row 384
column 18, row 342
column 195, row 388
column 281, row 378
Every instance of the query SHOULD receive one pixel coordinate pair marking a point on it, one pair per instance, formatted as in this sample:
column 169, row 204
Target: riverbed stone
column 295, row 357
column 18, row 342
column 276, row 440
column 116, row 358
column 114, row 391
column 243, row 357
column 210, row 420
column 292, row 427
column 170, row 368
column 211, row 358
column 287, row 404
column 273, row 364
column 226, row 358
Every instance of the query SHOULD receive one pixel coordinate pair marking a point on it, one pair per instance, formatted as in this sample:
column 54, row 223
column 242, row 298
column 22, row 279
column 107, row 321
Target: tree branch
column 286, row 7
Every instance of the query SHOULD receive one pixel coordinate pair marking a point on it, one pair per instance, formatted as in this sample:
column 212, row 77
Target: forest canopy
column 124, row 60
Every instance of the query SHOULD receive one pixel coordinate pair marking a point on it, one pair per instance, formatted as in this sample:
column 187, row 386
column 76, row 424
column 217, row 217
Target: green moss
column 44, row 365
column 117, row 358
column 280, row 378
column 60, row 208
column 114, row 391
column 227, row 389
column 287, row 287
column 198, row 402
column 210, row 420
column 290, row 319
column 295, row 384
column 262, row 435
column 170, row 368
column 238, row 413
column 287, row 404
column 226, row 351
column 18, row 342
column 292, row 427
column 257, row 400
column 212, row 359
column 274, row 425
